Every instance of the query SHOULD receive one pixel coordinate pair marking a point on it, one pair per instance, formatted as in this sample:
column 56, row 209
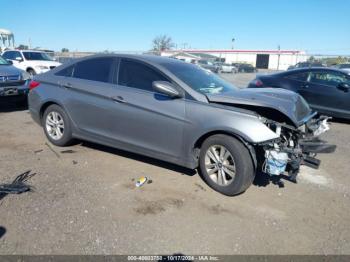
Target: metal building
column 263, row 59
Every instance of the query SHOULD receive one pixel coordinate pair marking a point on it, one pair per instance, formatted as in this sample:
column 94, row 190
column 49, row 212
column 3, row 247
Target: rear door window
column 138, row 75
column 95, row 69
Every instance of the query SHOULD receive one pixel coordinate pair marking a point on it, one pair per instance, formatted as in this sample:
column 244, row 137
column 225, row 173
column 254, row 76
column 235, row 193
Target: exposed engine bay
column 295, row 146
column 297, row 129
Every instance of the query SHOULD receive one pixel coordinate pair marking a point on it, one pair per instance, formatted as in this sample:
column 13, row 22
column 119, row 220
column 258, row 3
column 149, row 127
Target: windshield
column 36, row 56
column 199, row 79
column 3, row 61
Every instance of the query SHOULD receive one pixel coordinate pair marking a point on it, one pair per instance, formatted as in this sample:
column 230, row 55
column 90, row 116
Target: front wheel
column 57, row 126
column 31, row 72
column 226, row 165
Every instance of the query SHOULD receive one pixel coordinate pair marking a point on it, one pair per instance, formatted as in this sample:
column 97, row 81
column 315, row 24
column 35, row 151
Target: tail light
column 33, row 84
column 258, row 83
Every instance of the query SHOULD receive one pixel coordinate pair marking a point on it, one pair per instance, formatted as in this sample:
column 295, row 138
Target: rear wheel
column 226, row 165
column 57, row 126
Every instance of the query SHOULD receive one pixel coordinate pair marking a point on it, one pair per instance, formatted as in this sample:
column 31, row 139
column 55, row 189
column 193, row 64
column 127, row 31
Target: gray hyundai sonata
column 178, row 112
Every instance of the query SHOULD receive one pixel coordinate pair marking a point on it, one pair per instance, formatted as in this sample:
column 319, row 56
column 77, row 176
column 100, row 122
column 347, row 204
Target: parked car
column 208, row 65
column 245, row 68
column 344, row 67
column 32, row 61
column 177, row 112
column 13, row 82
column 306, row 65
column 227, row 68
column 325, row 89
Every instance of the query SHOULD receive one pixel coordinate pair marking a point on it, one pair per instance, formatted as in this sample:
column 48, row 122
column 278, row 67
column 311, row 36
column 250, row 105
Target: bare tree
column 162, row 42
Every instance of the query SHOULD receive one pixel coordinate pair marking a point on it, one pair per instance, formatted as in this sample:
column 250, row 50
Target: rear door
column 150, row 121
column 297, row 81
column 322, row 92
column 88, row 93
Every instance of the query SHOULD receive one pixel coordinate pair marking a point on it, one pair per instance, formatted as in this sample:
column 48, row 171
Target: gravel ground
column 85, row 201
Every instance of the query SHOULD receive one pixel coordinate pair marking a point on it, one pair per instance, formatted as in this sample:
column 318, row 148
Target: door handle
column 67, row 85
column 305, row 85
column 118, row 99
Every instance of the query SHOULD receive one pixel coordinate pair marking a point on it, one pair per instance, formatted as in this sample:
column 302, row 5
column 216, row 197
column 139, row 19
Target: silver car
column 180, row 113
column 13, row 82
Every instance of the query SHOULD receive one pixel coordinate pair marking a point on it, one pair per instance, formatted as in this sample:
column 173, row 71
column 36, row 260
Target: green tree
column 65, row 50
column 23, row 47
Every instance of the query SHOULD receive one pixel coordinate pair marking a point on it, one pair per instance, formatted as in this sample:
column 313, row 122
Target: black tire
column 245, row 171
column 66, row 139
column 31, row 72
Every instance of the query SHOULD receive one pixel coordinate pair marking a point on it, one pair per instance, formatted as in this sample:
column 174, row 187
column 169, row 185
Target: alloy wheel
column 220, row 165
column 54, row 125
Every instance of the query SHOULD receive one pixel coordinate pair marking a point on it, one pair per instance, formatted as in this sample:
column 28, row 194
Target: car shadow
column 13, row 105
column 2, row 231
column 140, row 158
column 340, row 120
column 263, row 180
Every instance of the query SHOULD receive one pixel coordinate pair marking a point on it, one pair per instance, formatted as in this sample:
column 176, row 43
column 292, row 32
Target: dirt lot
column 85, row 202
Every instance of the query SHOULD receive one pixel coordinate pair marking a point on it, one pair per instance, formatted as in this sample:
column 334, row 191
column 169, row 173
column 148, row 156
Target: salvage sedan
column 180, row 113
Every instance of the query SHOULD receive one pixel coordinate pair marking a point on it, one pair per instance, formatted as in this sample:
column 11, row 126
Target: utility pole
column 233, row 40
column 279, row 55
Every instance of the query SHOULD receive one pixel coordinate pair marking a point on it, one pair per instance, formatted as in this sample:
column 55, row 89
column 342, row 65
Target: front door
column 147, row 120
column 323, row 93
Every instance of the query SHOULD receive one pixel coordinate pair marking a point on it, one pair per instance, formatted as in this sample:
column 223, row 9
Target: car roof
column 26, row 50
column 306, row 69
column 312, row 69
column 155, row 59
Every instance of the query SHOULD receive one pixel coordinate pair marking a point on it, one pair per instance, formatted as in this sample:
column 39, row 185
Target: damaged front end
column 295, row 146
column 289, row 116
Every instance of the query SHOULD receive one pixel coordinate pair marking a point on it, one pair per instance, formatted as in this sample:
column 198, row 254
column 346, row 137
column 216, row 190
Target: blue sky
column 320, row 26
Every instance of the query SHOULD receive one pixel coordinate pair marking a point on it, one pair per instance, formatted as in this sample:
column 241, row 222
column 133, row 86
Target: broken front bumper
column 300, row 149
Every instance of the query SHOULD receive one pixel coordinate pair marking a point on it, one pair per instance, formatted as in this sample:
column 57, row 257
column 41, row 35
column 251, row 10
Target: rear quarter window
column 68, row 71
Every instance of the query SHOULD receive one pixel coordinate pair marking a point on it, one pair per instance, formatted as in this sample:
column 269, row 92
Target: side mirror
column 19, row 59
column 344, row 87
column 9, row 61
column 166, row 88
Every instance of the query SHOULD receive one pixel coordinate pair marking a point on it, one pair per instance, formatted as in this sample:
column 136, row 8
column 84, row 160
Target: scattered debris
column 38, row 151
column 74, row 162
column 141, row 181
column 150, row 181
column 50, row 147
column 200, row 187
column 68, row 151
column 18, row 185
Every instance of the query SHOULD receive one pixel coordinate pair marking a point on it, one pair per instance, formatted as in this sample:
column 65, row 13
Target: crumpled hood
column 287, row 102
column 9, row 70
